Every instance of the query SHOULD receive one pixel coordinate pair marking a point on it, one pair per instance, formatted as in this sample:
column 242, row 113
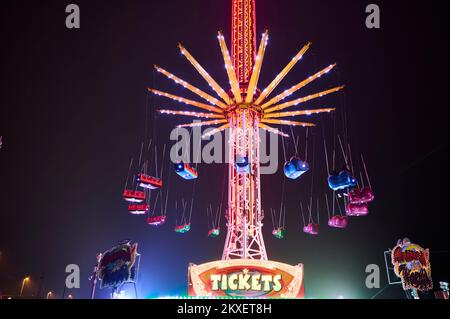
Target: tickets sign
column 246, row 279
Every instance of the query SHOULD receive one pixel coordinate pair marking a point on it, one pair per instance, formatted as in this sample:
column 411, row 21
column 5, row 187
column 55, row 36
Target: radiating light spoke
column 206, row 123
column 193, row 114
column 212, row 83
column 193, row 89
column 297, row 113
column 272, row 130
column 267, row 91
column 284, row 122
column 257, row 68
column 187, row 101
column 230, row 69
column 215, row 131
column 303, row 100
column 297, row 87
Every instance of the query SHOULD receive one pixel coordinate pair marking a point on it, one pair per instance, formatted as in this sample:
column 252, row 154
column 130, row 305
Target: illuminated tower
column 244, row 216
column 244, row 110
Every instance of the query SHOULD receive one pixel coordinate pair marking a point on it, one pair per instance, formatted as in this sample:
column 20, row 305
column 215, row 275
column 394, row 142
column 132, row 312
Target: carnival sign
column 246, row 279
column 117, row 266
column 412, row 265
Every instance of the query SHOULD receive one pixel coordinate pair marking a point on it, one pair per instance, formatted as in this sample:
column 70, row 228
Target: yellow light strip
column 217, row 130
column 272, row 130
column 193, row 89
column 284, row 122
column 207, row 123
column 297, row 87
column 187, row 101
column 257, row 69
column 282, row 75
column 213, row 84
column 302, row 100
column 230, row 69
column 296, row 113
column 194, row 114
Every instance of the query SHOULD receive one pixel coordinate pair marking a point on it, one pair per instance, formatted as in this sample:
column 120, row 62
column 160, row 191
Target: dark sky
column 73, row 113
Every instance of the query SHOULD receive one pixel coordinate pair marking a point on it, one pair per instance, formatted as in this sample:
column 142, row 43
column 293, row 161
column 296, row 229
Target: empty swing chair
column 357, row 210
column 134, row 196
column 138, row 209
column 364, row 194
column 149, row 182
column 311, row 228
column 186, row 171
column 185, row 225
column 341, row 180
column 214, row 230
column 296, row 167
column 336, row 221
column 279, row 231
column 159, row 219
column 242, row 165
column 146, row 181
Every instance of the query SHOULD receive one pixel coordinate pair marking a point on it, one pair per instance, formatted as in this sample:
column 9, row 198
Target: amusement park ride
column 244, row 109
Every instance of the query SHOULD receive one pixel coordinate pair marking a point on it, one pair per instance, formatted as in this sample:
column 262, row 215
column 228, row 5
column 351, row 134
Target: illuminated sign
column 117, row 266
column 246, row 279
column 412, row 265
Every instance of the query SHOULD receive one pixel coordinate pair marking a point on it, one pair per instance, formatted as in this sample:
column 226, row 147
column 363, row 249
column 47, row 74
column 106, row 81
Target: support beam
column 217, row 130
column 251, row 90
column 302, row 100
column 212, row 83
column 187, row 101
column 210, row 99
column 267, row 91
column 193, row 114
column 297, row 113
column 284, row 122
column 297, row 87
column 272, row 130
column 199, row 124
column 230, row 69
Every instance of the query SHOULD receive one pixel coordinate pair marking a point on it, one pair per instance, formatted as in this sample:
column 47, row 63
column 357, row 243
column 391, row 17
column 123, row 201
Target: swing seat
column 186, row 171
column 338, row 221
column 361, row 196
column 156, row 220
column 279, row 233
column 133, row 196
column 138, row 209
column 342, row 181
column 311, row 229
column 182, row 229
column 295, row 168
column 214, row 233
column 357, row 210
column 149, row 182
column 242, row 165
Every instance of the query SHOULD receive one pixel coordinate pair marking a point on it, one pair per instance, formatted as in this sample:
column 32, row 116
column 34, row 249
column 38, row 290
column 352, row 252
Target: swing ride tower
column 244, row 110
column 244, row 215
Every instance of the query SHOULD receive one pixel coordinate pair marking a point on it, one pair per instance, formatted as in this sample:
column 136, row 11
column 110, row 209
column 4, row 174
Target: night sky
column 73, row 113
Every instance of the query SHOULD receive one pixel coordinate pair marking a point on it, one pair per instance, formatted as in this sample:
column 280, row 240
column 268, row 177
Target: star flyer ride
column 245, row 270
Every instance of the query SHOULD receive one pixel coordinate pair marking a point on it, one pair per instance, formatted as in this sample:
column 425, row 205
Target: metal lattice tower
column 244, row 215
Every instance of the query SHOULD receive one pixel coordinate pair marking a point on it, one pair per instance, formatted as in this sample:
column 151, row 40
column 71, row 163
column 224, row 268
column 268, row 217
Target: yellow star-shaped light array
column 218, row 107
